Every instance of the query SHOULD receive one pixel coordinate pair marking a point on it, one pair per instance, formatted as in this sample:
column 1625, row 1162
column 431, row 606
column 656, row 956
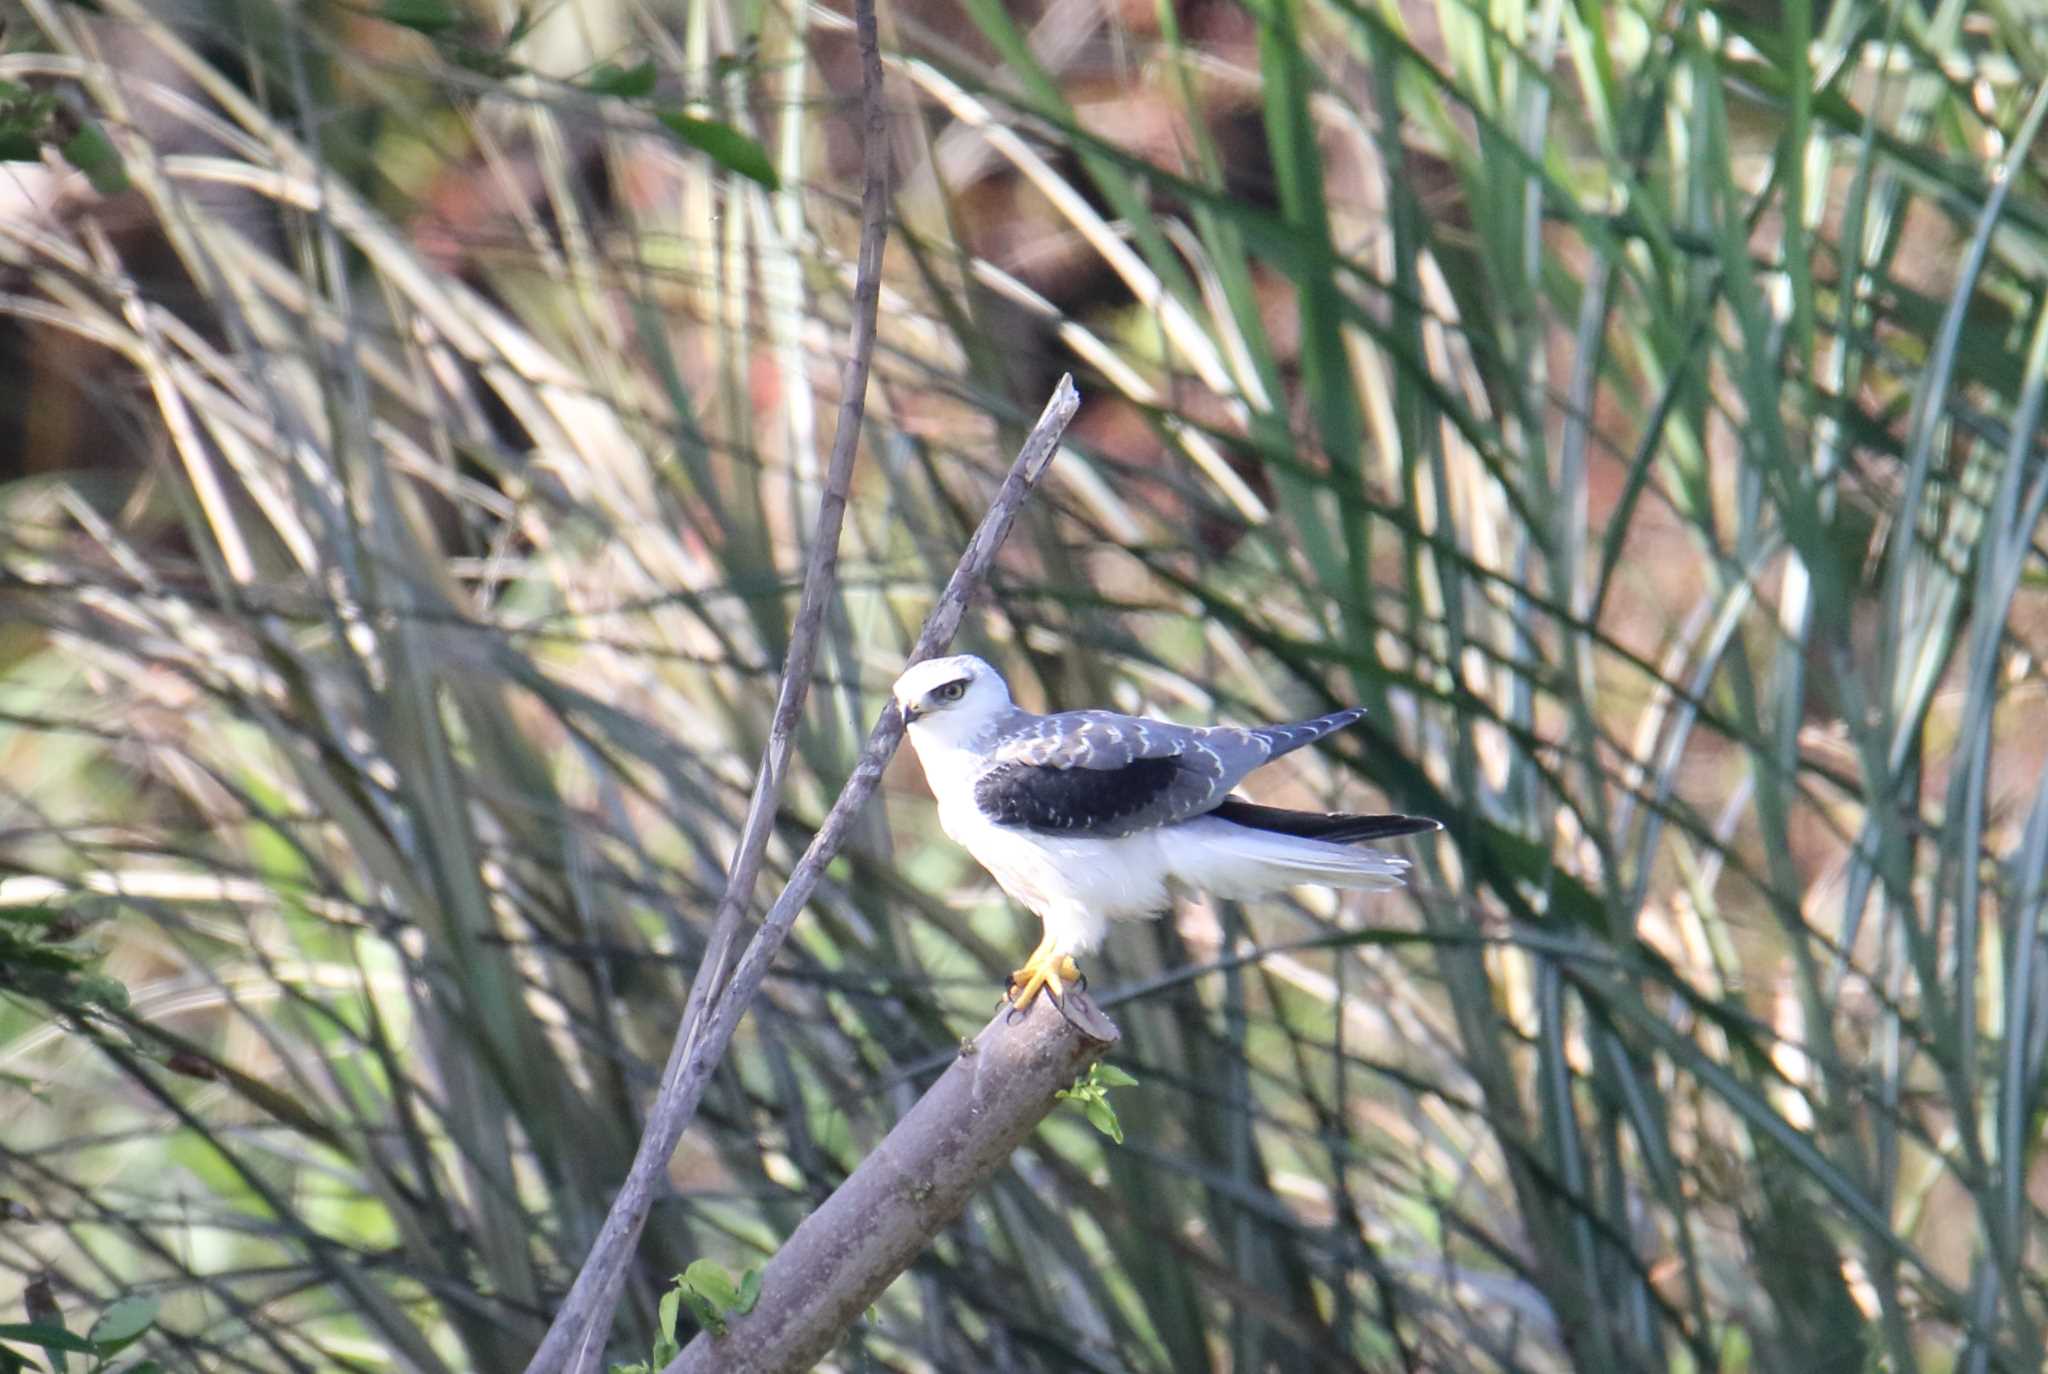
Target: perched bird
column 1088, row 817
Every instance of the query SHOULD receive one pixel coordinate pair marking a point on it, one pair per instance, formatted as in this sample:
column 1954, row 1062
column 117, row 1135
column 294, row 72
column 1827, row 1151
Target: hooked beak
column 911, row 710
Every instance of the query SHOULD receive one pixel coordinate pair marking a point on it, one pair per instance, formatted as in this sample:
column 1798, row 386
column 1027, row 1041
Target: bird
column 1090, row 817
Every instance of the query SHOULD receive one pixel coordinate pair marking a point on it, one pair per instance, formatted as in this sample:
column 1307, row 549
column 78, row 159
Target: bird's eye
column 952, row 691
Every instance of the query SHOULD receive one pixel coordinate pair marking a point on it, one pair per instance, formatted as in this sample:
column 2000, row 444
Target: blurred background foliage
column 412, row 420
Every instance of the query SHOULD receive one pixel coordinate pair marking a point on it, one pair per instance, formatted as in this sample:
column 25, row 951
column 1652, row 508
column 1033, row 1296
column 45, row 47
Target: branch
column 914, row 1184
column 576, row 1338
column 821, row 572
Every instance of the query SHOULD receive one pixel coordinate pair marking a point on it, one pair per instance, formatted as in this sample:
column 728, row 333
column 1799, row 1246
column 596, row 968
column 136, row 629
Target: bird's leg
column 1069, row 973
column 1022, row 978
column 1045, row 970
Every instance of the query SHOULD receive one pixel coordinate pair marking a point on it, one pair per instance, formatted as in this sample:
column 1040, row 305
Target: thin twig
column 575, row 1338
column 939, row 629
column 821, row 575
column 683, row 1086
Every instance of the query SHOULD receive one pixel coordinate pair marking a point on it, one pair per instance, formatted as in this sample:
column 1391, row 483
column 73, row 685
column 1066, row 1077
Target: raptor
column 1089, row 817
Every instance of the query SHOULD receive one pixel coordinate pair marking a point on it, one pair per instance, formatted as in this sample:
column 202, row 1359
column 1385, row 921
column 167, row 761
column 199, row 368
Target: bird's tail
column 1333, row 826
column 1240, row 860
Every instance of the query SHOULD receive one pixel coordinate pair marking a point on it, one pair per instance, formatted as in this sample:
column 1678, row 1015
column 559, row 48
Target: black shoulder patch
column 1065, row 801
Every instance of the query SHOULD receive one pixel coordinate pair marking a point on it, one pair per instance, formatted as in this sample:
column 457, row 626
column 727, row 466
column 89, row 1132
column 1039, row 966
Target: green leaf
column 522, row 25
column 750, row 1292
column 99, row 990
column 708, row 1317
column 1104, row 1117
column 666, row 1348
column 47, row 1336
column 490, row 62
column 628, row 83
column 671, row 1302
column 421, row 16
column 708, row 1278
column 1110, row 1076
column 724, row 145
column 123, row 1323
column 92, row 152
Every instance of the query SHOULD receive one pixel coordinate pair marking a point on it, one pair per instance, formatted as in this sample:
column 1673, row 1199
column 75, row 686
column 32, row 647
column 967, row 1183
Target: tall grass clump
column 419, row 414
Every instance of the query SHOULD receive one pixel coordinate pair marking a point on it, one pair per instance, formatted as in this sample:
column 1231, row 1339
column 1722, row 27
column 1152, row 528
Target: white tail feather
column 1242, row 862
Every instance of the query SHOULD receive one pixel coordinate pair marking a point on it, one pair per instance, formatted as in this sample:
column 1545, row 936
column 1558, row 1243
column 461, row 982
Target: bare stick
column 586, row 1312
column 821, row 573
column 914, row 1184
column 575, row 1337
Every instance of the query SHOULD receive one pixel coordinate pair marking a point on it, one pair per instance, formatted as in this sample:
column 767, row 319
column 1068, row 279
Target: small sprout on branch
column 711, row 1295
column 1092, row 1094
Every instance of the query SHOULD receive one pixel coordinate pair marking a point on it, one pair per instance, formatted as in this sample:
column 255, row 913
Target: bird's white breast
column 1076, row 883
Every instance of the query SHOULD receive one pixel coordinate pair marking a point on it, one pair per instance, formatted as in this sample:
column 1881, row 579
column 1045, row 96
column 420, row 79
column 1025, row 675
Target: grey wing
column 1103, row 774
column 1285, row 739
column 1099, row 773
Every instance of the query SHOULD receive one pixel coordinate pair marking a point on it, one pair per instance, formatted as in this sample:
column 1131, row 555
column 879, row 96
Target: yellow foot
column 1046, row 971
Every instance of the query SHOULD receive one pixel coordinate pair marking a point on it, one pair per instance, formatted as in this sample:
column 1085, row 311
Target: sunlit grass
column 1637, row 410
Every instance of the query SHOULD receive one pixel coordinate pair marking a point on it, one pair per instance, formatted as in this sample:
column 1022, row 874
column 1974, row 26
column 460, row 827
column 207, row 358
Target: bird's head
column 952, row 698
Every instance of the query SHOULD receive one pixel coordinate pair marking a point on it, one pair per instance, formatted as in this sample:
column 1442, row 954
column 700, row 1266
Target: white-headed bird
column 1088, row 817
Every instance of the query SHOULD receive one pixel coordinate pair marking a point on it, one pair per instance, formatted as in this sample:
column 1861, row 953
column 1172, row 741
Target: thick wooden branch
column 917, row 1181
